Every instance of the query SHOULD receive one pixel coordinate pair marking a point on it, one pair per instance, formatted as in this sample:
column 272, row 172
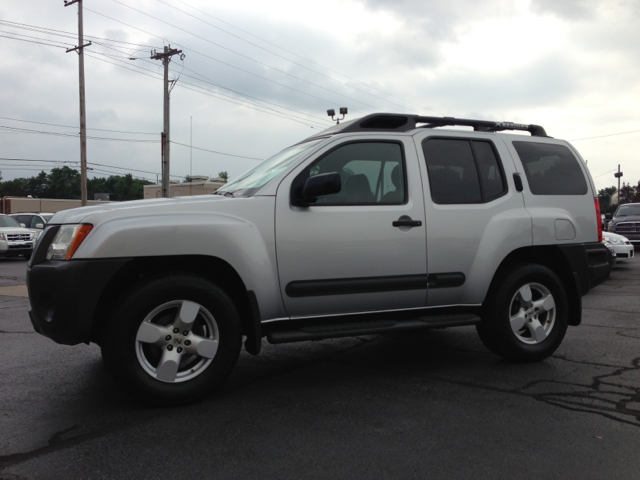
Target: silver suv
column 382, row 224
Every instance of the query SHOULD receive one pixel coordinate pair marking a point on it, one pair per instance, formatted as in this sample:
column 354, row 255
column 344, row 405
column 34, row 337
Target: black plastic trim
column 64, row 295
column 588, row 263
column 253, row 343
column 349, row 286
column 517, row 179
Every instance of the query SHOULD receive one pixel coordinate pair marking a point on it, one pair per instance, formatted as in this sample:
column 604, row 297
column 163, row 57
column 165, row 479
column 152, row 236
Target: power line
column 246, row 56
column 71, row 126
column 281, row 56
column 32, row 41
column 217, row 95
column 603, row 136
column 213, row 151
column 70, row 135
column 302, row 57
column 62, row 33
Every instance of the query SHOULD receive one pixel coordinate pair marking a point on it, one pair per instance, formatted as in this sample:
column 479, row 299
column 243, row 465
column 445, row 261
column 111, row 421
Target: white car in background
column 15, row 240
column 621, row 245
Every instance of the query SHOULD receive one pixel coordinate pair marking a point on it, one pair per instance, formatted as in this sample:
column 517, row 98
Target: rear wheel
column 525, row 316
column 172, row 339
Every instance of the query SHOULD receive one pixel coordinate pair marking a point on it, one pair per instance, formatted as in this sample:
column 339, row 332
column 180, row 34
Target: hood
column 628, row 218
column 151, row 206
column 607, row 235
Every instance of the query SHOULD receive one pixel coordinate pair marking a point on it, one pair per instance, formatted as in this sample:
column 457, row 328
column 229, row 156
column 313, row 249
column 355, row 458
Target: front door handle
column 405, row 221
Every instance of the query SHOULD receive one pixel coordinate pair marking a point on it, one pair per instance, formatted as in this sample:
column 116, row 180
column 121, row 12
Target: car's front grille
column 627, row 227
column 18, row 237
column 21, row 246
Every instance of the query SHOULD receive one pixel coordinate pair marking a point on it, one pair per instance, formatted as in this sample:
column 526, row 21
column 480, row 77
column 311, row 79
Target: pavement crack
column 608, row 310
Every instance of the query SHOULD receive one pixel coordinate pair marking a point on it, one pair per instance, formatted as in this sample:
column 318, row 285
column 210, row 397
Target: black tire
column 506, row 309
column 138, row 360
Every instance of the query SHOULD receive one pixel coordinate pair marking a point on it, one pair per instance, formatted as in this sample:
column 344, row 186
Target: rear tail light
column 598, row 218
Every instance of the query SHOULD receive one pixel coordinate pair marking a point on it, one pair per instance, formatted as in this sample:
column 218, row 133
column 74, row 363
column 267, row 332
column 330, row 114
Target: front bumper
column 64, row 296
column 13, row 249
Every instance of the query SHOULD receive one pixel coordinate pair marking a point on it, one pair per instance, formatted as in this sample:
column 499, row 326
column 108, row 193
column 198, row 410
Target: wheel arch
column 553, row 258
column 214, row 269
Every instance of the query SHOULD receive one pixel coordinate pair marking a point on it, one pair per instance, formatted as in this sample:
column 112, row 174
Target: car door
column 347, row 252
column 474, row 215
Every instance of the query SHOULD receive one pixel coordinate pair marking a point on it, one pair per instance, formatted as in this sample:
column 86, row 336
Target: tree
column 224, row 176
column 64, row 183
column 605, row 197
column 626, row 193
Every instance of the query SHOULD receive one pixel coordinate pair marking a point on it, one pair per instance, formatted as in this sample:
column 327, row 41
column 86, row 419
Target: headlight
column 615, row 241
column 67, row 241
column 2, row 237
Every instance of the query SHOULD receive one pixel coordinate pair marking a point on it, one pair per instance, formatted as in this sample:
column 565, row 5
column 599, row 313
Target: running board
column 319, row 332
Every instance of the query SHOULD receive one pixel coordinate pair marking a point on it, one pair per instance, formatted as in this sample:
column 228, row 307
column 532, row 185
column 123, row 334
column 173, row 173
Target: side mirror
column 40, row 226
column 320, row 186
column 608, row 216
column 23, row 225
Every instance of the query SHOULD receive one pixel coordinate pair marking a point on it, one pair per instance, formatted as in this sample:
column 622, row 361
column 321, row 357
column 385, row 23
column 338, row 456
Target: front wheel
column 172, row 339
column 525, row 316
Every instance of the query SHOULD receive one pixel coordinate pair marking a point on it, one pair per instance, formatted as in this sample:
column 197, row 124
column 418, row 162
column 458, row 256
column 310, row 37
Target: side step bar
column 319, row 332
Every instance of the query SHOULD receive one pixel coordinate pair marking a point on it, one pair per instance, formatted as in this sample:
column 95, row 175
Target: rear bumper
column 64, row 296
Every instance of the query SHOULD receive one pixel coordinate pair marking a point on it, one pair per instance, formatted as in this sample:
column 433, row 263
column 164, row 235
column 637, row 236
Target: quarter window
column 463, row 171
column 551, row 169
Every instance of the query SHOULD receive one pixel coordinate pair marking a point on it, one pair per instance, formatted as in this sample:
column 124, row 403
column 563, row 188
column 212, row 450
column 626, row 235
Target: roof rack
column 392, row 122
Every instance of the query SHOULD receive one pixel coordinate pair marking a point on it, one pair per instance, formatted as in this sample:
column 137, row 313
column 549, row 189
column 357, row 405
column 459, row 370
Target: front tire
column 172, row 339
column 525, row 316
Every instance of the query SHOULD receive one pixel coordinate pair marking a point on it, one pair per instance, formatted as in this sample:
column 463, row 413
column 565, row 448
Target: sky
column 259, row 76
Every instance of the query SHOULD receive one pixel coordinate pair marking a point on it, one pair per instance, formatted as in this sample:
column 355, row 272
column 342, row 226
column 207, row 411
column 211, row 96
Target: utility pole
column 166, row 139
column 83, row 112
column 618, row 174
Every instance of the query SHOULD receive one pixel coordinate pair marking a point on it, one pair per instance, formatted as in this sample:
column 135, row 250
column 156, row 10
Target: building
column 200, row 185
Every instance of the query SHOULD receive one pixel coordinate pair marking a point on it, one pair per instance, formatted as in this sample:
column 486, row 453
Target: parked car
column 611, row 253
column 14, row 240
column 381, row 224
column 626, row 221
column 34, row 221
column 621, row 245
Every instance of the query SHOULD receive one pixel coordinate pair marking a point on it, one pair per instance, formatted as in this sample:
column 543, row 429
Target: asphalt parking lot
column 430, row 405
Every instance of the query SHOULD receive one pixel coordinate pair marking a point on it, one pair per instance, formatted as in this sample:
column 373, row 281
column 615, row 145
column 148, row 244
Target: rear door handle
column 405, row 221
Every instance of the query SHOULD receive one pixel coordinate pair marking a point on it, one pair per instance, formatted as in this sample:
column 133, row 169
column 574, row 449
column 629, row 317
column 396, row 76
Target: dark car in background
column 626, row 221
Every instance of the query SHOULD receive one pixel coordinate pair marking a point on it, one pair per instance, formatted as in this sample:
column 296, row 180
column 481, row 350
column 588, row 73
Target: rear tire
column 525, row 316
column 172, row 339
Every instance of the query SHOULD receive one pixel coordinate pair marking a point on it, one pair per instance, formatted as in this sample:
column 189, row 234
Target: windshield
column 8, row 222
column 626, row 210
column 250, row 181
column 47, row 218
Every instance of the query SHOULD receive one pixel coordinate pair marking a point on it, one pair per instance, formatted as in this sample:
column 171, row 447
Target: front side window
column 371, row 173
column 551, row 169
column 463, row 171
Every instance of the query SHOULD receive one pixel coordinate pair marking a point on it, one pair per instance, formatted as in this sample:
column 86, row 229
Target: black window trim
column 505, row 184
column 298, row 182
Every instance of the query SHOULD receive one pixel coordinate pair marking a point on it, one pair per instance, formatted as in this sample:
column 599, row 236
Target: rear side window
column 463, row 171
column 551, row 169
